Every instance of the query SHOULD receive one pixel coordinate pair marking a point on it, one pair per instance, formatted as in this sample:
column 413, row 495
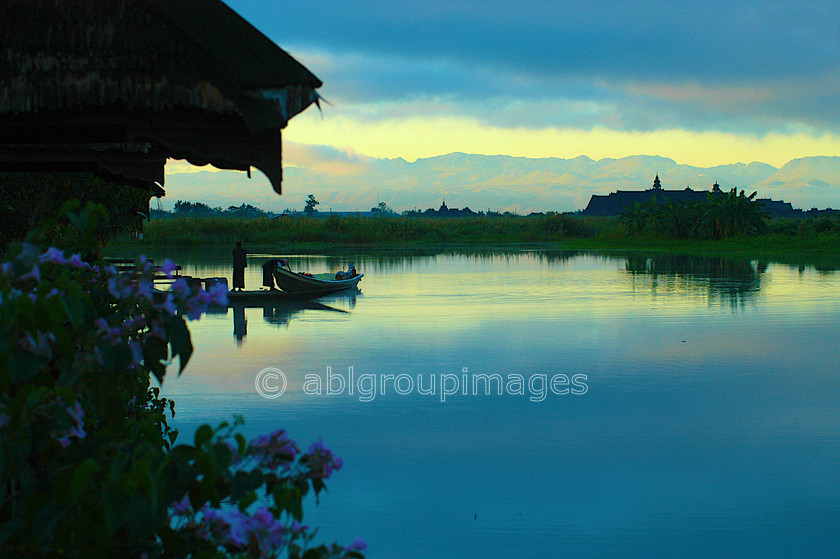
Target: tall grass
column 789, row 238
column 340, row 230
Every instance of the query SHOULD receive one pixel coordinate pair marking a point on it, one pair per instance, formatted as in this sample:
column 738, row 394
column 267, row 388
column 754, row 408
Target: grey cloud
column 576, row 63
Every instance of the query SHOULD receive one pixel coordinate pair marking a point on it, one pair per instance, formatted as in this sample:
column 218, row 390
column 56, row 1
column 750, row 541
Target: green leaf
column 202, row 435
column 75, row 309
column 222, row 455
column 247, row 500
column 290, row 500
column 115, row 358
column 24, row 366
column 82, row 475
column 179, row 339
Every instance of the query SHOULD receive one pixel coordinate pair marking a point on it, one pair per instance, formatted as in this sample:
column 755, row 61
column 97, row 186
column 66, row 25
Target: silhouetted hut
column 116, row 87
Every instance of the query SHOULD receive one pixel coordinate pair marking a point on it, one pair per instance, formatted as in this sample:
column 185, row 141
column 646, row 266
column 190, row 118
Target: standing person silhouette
column 239, row 265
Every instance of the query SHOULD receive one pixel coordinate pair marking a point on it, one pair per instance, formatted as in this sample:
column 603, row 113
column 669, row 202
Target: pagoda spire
column 656, row 184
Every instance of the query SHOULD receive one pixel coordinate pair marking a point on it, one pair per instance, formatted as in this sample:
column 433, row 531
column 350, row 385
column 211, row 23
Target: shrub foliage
column 89, row 465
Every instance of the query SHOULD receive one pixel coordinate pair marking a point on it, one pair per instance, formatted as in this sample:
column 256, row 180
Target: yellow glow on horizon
column 415, row 137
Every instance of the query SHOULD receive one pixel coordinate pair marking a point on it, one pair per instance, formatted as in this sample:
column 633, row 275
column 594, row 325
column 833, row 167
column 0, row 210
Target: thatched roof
column 120, row 85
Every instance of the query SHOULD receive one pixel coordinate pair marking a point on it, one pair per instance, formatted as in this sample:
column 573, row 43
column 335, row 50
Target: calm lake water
column 667, row 407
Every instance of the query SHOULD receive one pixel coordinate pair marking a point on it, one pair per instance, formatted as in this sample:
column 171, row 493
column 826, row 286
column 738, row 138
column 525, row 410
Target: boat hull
column 290, row 282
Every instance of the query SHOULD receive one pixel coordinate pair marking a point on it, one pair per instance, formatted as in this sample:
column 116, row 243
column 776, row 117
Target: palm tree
column 732, row 214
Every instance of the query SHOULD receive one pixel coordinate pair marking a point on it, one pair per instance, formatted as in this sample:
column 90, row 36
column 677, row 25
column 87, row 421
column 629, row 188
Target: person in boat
column 268, row 271
column 240, row 262
column 349, row 274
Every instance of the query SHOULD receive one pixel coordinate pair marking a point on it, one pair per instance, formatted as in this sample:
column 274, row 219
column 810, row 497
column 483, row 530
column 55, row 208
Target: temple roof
column 119, row 86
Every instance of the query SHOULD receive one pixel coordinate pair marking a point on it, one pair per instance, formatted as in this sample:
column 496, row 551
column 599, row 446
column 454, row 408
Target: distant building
column 616, row 202
column 445, row 211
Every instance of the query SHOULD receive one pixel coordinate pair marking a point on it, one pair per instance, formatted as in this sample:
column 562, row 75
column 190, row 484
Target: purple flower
column 181, row 288
column 39, row 344
column 115, row 289
column 182, row 507
column 274, row 450
column 144, row 289
column 168, row 305
column 226, row 526
column 4, row 419
column 218, row 295
column 53, row 256
column 77, row 432
column 77, row 413
column 266, row 530
column 76, row 261
column 104, row 329
column 34, row 273
column 323, row 461
column 168, row 267
column 356, row 545
column 197, row 305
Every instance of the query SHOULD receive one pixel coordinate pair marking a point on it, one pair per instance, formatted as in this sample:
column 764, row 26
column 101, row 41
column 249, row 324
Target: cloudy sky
column 704, row 83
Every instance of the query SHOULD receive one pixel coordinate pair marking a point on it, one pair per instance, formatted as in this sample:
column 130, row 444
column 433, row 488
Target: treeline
column 199, row 209
column 731, row 217
column 718, row 217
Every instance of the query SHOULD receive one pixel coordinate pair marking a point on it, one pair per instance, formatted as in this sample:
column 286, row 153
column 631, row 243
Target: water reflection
column 240, row 324
column 730, row 281
column 704, row 431
column 281, row 313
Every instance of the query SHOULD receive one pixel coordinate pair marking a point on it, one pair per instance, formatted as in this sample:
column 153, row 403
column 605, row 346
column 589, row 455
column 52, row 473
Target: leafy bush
column 88, row 462
column 721, row 216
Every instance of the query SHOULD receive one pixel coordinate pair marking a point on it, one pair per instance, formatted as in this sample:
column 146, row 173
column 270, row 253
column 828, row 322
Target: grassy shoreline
column 786, row 241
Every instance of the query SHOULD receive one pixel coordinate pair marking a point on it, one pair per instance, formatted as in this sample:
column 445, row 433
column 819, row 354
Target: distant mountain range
column 501, row 183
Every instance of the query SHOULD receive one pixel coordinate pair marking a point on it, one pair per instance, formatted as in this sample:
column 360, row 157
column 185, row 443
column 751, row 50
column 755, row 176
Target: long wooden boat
column 292, row 282
column 294, row 286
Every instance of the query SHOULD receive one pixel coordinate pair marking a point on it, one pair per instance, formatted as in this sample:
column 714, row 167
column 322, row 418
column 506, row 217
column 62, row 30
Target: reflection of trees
column 731, row 281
